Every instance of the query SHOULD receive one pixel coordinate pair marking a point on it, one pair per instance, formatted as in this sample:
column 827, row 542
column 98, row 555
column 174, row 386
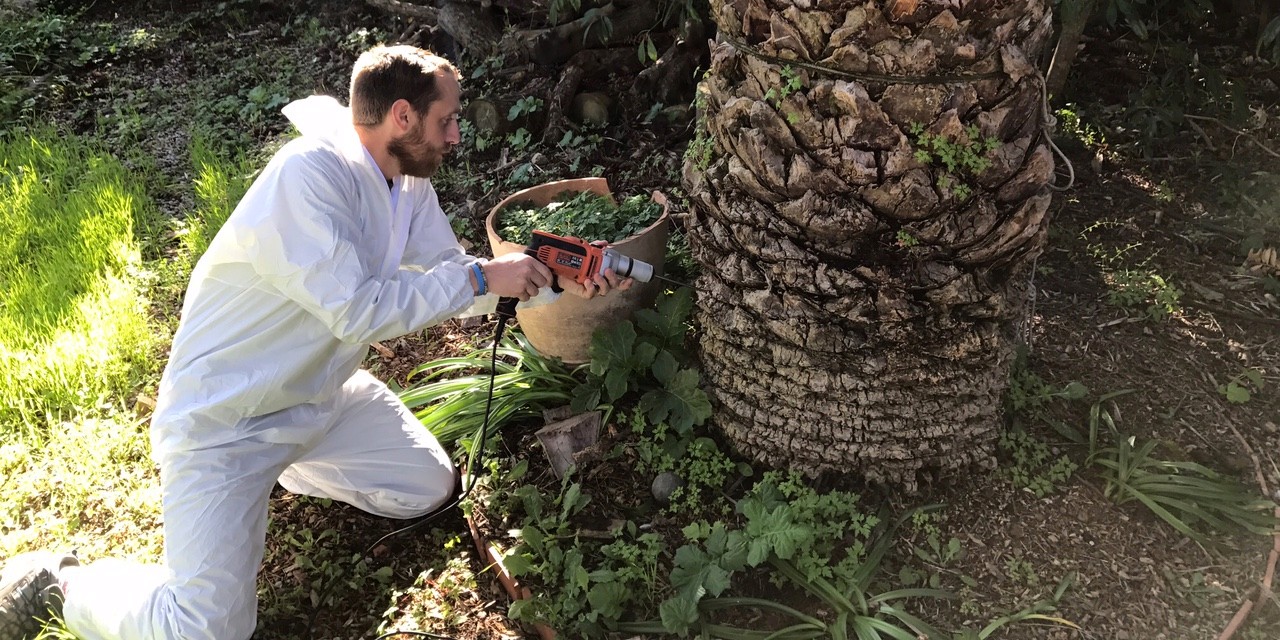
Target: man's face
column 422, row 149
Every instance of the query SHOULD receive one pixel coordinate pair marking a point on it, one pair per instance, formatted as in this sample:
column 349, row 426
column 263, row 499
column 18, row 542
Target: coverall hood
column 320, row 117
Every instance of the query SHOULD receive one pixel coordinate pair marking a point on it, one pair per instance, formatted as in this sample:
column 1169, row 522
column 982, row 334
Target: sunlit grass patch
column 219, row 184
column 74, row 331
column 91, row 486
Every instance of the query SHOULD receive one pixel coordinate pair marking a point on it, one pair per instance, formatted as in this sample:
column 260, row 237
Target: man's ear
column 401, row 115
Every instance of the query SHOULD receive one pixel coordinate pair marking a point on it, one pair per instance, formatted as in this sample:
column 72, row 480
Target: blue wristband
column 482, row 287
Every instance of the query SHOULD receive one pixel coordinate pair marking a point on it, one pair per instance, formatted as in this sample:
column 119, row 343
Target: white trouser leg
column 376, row 456
column 215, row 520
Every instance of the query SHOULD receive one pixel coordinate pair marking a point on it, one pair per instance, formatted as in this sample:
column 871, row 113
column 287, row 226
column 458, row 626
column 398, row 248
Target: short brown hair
column 385, row 74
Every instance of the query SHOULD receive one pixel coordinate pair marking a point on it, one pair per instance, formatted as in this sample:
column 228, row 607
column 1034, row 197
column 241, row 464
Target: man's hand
column 598, row 285
column 516, row 275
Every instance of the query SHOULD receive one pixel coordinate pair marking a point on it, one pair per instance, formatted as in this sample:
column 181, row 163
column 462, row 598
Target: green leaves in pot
column 584, row 215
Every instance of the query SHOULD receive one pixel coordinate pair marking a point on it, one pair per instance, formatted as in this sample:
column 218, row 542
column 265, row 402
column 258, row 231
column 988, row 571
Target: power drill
column 573, row 258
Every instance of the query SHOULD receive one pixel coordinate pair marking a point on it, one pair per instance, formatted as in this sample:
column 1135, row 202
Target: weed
column 1029, row 392
column 321, row 573
column 702, row 149
column 936, row 554
column 1192, row 586
column 1237, row 390
column 92, row 486
column 1148, row 291
column 587, row 598
column 360, row 39
column 452, row 408
column 680, row 264
column 436, row 594
column 1035, row 467
column 42, row 50
column 1070, row 123
column 468, row 136
column 703, row 469
column 1021, row 572
column 789, row 83
column 1036, row 612
column 1183, row 494
column 584, row 214
column 577, row 147
column 959, row 159
column 624, row 361
column 520, row 139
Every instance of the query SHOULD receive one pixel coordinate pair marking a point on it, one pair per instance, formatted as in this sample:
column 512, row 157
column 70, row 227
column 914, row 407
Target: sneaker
column 31, row 592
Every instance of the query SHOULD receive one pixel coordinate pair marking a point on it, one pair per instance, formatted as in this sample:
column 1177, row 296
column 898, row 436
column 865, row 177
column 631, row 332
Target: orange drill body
column 567, row 256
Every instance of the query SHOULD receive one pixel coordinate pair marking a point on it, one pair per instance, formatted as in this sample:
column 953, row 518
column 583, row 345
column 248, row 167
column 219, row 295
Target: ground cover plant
column 1133, row 487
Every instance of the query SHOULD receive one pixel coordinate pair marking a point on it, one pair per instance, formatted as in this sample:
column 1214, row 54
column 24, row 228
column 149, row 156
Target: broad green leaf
column 574, row 501
column 611, row 348
column 607, row 599
column 616, row 383
column 681, row 404
column 715, row 580
column 776, row 532
column 664, row 367
column 734, row 555
column 697, row 530
column 521, row 609
column 580, row 578
column 643, row 357
column 1075, row 391
column 518, row 564
column 678, row 614
column 667, row 322
column 603, row 575
column 586, row 397
column 533, row 537
column 1237, row 394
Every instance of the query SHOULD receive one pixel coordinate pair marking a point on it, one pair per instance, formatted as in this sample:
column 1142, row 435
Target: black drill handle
column 507, row 306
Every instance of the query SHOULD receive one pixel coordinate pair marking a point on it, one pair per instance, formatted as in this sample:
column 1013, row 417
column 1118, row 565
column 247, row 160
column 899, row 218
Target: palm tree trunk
column 869, row 197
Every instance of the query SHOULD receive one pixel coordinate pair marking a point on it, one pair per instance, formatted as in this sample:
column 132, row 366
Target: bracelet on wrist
column 477, row 270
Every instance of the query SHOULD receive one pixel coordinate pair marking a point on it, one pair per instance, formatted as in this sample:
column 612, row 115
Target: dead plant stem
column 1238, row 132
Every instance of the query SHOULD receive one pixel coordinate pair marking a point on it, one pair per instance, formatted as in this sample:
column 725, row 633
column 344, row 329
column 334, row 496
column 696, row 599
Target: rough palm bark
column 858, row 300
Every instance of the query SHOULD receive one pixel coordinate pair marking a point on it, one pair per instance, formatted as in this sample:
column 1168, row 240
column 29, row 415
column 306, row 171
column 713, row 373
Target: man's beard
column 416, row 157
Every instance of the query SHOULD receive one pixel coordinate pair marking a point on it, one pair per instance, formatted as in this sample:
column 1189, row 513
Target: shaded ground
column 1187, row 216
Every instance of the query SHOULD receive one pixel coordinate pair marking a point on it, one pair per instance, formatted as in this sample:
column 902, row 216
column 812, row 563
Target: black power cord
column 466, row 480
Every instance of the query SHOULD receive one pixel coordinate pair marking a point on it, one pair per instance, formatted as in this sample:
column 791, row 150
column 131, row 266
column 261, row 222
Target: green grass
column 219, row 184
column 74, row 329
column 85, row 293
column 90, row 486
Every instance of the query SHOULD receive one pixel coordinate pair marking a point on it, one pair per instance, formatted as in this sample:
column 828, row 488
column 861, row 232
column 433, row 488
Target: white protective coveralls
column 319, row 259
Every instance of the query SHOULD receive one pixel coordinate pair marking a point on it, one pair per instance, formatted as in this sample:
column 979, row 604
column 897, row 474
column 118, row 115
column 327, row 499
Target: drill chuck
column 626, row 266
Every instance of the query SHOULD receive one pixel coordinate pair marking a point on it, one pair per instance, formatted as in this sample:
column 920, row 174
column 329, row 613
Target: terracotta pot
column 563, row 328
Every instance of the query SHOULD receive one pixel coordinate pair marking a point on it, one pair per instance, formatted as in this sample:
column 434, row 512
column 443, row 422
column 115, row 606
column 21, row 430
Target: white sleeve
column 303, row 237
column 432, row 243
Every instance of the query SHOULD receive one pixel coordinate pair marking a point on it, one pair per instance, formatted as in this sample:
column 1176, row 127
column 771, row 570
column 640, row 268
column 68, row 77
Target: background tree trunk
column 859, row 300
